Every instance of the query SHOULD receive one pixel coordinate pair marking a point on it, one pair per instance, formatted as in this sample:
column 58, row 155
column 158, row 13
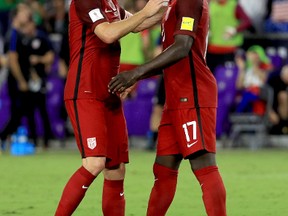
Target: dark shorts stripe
column 79, row 70
column 195, row 94
column 78, row 128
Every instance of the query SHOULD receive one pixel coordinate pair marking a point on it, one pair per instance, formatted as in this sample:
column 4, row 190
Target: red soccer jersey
column 189, row 83
column 92, row 62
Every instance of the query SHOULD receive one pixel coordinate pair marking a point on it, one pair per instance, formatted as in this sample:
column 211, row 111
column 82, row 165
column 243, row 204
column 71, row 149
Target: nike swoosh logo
column 122, row 194
column 84, row 187
column 190, row 145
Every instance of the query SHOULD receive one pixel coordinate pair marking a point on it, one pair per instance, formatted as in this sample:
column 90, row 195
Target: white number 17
column 194, row 134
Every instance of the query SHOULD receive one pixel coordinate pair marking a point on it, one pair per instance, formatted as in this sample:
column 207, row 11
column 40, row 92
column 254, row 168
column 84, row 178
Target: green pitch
column 256, row 184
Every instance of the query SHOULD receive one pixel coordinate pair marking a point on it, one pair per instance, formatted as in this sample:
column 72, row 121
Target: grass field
column 256, row 184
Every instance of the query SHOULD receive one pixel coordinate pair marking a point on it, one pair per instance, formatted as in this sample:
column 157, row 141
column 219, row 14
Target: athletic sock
column 213, row 190
column 163, row 190
column 74, row 192
column 113, row 200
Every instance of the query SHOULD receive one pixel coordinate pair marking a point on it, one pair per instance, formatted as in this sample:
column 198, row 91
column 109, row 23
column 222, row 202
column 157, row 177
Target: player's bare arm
column 177, row 51
column 110, row 32
column 156, row 18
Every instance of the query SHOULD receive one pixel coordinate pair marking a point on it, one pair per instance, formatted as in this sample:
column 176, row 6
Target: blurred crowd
column 248, row 49
column 247, row 42
column 34, row 62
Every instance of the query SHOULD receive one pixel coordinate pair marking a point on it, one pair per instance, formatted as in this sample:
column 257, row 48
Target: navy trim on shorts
column 195, row 94
column 79, row 70
column 78, row 128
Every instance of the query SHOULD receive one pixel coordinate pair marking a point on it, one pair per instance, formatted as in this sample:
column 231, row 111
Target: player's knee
column 162, row 172
column 202, row 160
column 115, row 173
column 122, row 169
column 94, row 165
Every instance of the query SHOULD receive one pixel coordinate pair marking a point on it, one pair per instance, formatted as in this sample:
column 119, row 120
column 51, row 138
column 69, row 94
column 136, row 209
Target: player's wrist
column 145, row 13
column 140, row 72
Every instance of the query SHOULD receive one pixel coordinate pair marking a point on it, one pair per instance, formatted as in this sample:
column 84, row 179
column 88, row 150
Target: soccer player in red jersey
column 187, row 128
column 96, row 115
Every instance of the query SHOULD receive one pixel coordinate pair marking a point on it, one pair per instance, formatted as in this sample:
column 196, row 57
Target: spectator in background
column 56, row 24
column 18, row 73
column 38, row 11
column 277, row 17
column 252, row 75
column 227, row 22
column 279, row 117
column 57, row 18
column 136, row 54
column 39, row 50
column 256, row 10
column 30, row 54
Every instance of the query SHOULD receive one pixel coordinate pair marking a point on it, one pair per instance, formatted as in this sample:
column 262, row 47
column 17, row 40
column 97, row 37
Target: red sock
column 74, row 192
column 113, row 200
column 214, row 194
column 163, row 190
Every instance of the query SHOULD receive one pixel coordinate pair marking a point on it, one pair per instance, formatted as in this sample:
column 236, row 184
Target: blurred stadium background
column 252, row 148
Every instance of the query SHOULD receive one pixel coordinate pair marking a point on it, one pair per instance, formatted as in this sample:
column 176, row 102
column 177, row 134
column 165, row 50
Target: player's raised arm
column 177, row 51
column 156, row 18
column 110, row 32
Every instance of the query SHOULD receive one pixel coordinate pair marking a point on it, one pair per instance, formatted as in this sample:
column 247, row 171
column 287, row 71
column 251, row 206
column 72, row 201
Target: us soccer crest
column 91, row 142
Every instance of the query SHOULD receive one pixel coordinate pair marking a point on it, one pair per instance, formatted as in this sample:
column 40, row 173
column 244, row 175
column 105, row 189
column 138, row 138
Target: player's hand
column 126, row 92
column 153, row 6
column 122, row 82
column 34, row 59
column 23, row 86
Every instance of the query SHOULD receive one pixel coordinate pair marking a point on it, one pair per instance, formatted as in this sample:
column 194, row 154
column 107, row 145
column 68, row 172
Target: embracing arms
column 148, row 16
column 177, row 51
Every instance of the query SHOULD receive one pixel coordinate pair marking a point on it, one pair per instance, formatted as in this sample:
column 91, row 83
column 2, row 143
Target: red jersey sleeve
column 90, row 13
column 122, row 13
column 188, row 14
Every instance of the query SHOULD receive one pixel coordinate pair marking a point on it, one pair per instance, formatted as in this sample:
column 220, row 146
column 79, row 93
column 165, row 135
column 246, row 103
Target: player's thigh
column 117, row 138
column 167, row 141
column 94, row 165
column 117, row 173
column 87, row 117
column 195, row 130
